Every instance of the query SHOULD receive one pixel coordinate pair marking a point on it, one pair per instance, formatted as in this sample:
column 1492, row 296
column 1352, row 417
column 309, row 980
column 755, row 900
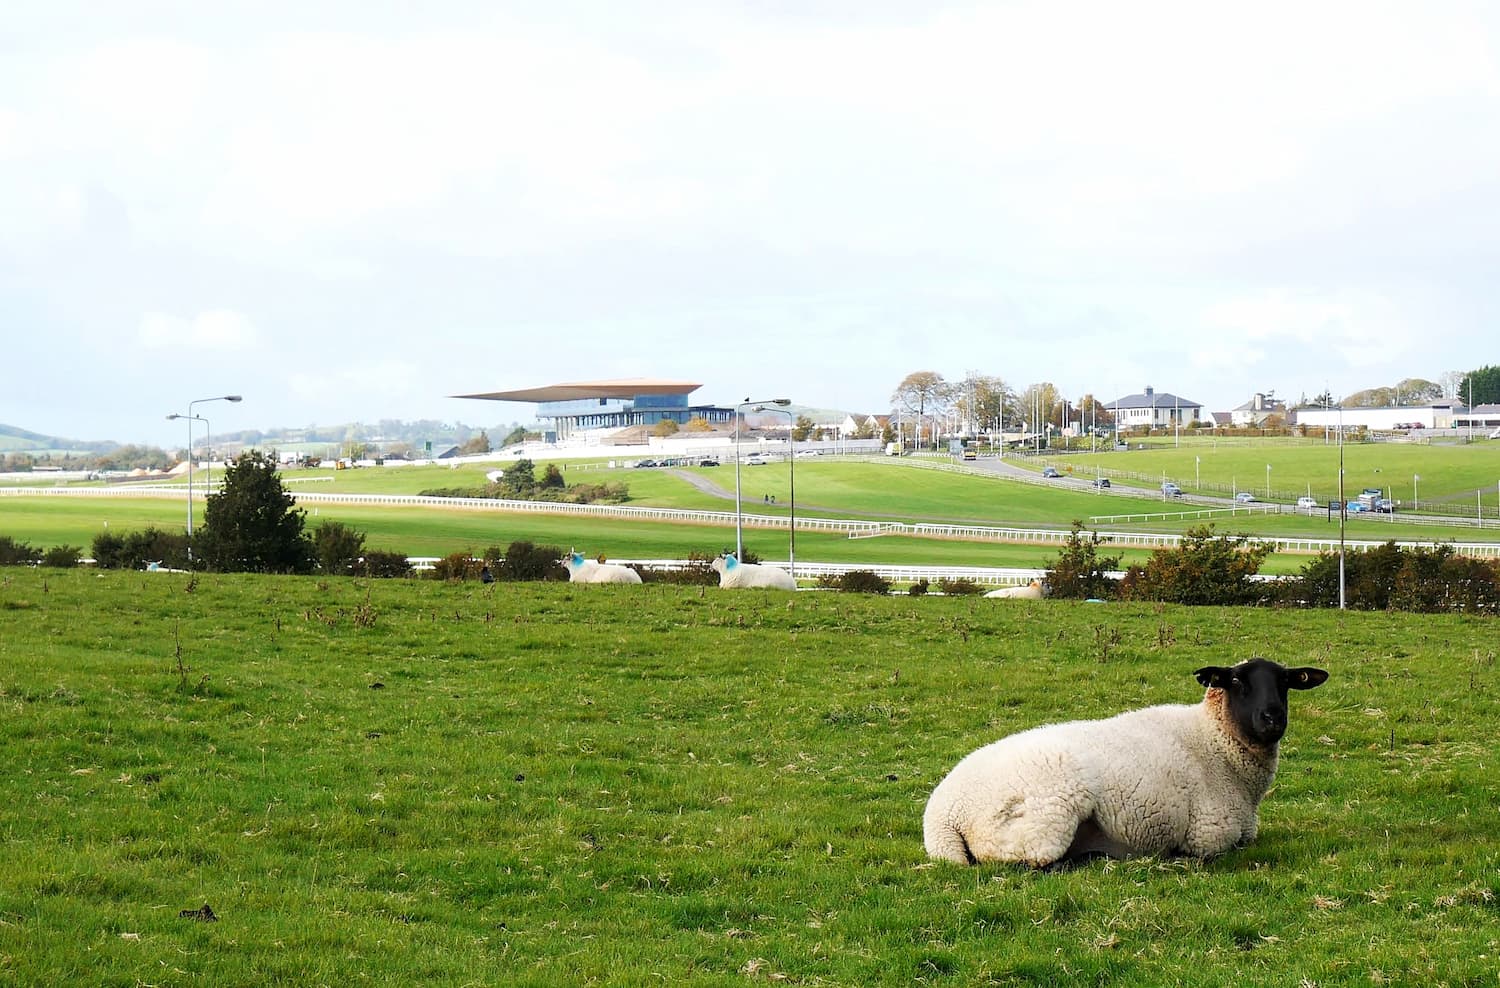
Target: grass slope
column 403, row 782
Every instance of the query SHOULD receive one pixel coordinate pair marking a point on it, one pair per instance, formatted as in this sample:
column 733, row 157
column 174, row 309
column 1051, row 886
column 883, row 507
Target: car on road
column 1050, row 472
column 756, row 460
column 1245, row 497
column 641, row 464
column 1102, row 483
column 1307, row 504
column 1355, row 507
column 1170, row 489
column 1385, row 505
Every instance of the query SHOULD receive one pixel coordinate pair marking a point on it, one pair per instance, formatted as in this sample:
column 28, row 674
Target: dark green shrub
column 1078, row 572
column 456, row 566
column 698, row 572
column 337, row 547
column 961, row 587
column 13, row 553
column 917, row 589
column 525, row 561
column 864, row 581
column 384, row 565
column 1203, row 569
column 62, row 556
column 252, row 525
column 137, row 549
column 107, row 547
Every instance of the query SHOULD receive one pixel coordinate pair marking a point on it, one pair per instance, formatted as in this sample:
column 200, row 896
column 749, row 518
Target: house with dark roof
column 1150, row 410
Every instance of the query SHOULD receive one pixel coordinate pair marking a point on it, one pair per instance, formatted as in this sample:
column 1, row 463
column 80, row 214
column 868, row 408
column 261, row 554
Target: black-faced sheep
column 1174, row 779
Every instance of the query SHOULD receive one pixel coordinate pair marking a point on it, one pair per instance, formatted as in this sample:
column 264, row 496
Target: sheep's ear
column 1305, row 678
column 1214, row 677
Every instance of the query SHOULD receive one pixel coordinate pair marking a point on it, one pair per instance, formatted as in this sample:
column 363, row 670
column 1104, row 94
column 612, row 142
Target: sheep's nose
column 1273, row 719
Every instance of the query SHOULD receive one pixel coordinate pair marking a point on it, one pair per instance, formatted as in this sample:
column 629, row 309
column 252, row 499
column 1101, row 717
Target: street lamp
column 791, row 441
column 190, row 420
column 1268, row 481
column 739, row 536
column 1414, row 479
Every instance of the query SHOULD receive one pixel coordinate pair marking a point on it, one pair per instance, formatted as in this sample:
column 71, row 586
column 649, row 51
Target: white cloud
column 218, row 329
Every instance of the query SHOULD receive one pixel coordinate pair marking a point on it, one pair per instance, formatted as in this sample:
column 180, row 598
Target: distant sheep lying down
column 1031, row 591
column 738, row 575
column 1174, row 779
column 581, row 570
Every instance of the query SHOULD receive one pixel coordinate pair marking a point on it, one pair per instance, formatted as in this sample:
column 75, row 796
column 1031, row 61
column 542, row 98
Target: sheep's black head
column 1255, row 695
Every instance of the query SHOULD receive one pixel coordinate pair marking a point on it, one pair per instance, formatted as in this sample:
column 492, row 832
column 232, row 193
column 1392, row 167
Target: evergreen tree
column 252, row 524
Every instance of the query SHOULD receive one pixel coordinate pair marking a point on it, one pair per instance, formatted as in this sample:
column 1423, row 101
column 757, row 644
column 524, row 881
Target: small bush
column 961, row 587
column 383, row 565
column 62, row 556
column 456, row 566
column 337, row 547
column 917, row 589
column 107, row 548
column 1078, row 572
column 13, row 553
column 864, row 581
column 526, row 562
column 698, row 572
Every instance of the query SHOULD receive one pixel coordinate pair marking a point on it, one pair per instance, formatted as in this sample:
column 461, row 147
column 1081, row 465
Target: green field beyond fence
column 412, row 782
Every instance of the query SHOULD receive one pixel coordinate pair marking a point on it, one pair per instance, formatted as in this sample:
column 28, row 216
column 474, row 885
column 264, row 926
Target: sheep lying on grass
column 733, row 573
column 582, row 570
column 1174, row 779
column 1031, row 591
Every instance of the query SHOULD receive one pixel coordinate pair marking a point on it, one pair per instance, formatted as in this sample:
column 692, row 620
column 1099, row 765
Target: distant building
column 586, row 405
column 1255, row 411
column 1150, row 410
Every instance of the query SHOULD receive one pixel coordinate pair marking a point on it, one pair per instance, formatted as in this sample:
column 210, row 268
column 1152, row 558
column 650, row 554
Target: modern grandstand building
column 587, row 405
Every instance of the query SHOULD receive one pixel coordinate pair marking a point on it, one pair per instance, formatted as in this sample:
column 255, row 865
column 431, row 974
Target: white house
column 1151, row 410
column 1255, row 411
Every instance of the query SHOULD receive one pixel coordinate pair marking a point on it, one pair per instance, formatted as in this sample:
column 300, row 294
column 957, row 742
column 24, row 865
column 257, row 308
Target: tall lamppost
column 739, row 536
column 1268, row 481
column 791, row 442
column 190, row 420
column 1414, row 479
column 1343, row 508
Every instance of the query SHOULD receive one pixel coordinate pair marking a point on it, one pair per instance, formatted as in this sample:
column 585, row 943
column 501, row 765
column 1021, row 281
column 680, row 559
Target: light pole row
column 191, row 418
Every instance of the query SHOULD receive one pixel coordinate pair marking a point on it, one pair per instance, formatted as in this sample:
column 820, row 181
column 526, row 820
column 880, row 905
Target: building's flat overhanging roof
column 628, row 387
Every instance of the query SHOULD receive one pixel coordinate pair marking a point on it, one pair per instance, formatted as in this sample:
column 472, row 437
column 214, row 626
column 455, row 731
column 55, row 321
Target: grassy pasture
column 406, row 783
column 1448, row 472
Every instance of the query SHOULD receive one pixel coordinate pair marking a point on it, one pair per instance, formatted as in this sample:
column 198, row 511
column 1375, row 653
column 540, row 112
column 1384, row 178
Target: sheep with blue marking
column 581, row 570
column 1172, row 779
column 737, row 575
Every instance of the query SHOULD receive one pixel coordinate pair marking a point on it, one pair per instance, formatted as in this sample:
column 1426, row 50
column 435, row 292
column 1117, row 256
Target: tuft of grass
column 642, row 784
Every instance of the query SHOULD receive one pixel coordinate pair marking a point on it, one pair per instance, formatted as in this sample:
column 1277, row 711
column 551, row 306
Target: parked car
column 1050, row 472
column 1245, row 497
column 1170, row 489
column 644, row 463
column 1102, row 482
column 756, row 460
column 1307, row 503
column 708, row 461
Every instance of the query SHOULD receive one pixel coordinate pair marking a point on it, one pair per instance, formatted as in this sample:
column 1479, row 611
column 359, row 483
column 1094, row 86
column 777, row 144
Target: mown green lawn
column 410, row 782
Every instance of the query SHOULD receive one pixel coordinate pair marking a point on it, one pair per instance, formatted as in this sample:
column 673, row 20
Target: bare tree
column 924, row 393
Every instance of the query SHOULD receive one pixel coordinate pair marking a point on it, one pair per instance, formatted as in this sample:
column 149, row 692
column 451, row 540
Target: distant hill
column 18, row 440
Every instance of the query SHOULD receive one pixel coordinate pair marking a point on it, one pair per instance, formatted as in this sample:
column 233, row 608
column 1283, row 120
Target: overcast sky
column 350, row 211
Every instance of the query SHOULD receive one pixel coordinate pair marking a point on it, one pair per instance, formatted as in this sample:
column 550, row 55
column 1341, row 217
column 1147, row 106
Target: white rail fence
column 854, row 528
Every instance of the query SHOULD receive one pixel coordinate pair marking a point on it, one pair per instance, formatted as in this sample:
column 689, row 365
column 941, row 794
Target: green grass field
column 402, row 782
